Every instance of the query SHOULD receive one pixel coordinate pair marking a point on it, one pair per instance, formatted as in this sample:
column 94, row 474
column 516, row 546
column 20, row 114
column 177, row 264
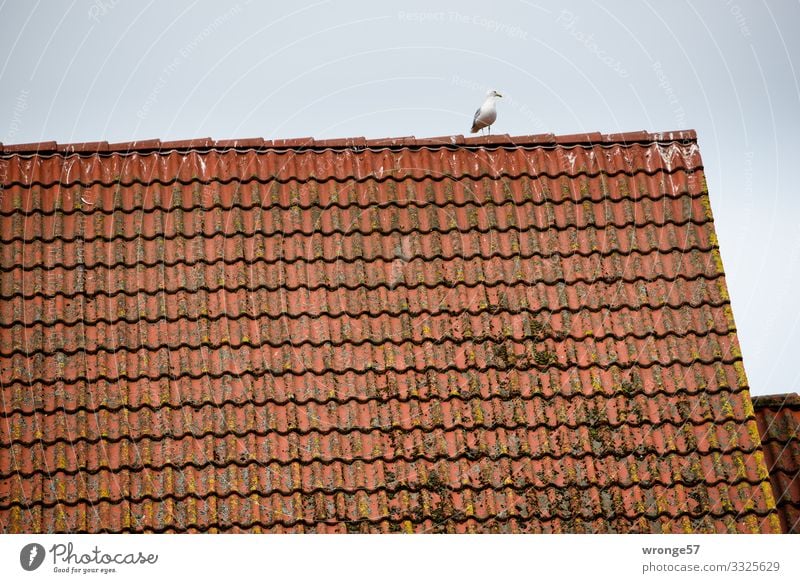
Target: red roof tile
column 778, row 418
column 501, row 334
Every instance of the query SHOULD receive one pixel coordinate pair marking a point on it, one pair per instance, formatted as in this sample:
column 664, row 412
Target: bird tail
column 474, row 129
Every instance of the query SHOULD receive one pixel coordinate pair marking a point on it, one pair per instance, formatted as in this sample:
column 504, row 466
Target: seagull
column 486, row 114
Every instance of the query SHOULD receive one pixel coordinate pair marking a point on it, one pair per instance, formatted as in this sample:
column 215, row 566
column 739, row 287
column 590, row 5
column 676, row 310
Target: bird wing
column 477, row 113
column 475, row 120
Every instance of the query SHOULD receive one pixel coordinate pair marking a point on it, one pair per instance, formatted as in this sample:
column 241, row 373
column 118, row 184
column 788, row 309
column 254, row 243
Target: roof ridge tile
column 498, row 140
column 85, row 147
column 188, row 144
column 153, row 144
column 30, row 147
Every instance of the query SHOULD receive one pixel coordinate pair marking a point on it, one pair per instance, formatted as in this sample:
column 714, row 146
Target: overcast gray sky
column 118, row 71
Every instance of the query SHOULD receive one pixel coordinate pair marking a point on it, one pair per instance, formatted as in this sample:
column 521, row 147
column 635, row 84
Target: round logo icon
column 31, row 556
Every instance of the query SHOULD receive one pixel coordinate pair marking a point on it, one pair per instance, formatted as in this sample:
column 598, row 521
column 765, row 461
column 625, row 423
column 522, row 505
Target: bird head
column 493, row 93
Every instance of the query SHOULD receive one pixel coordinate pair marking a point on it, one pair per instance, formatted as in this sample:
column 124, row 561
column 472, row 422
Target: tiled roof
column 527, row 334
column 778, row 418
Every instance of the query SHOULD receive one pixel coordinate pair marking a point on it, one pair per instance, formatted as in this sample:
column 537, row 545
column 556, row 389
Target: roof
column 498, row 334
column 778, row 418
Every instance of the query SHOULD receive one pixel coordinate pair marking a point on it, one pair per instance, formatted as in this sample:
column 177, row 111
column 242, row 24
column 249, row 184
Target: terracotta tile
column 499, row 334
column 778, row 418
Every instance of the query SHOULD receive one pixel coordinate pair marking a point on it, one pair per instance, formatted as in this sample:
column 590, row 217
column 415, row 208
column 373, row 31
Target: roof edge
column 497, row 140
column 776, row 401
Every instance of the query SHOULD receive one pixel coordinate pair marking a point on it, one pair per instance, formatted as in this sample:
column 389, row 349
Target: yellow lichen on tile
column 723, row 290
column 775, row 523
column 735, row 351
column 766, row 490
column 727, row 409
column 741, row 468
column 233, row 504
column 15, row 520
column 61, row 520
column 477, row 413
column 752, row 432
column 741, row 377
column 705, row 202
column 633, row 470
column 686, row 525
column 745, row 494
column 363, row 507
column 717, row 259
column 751, row 523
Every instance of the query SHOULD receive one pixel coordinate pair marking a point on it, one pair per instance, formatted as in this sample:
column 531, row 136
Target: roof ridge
column 309, row 143
column 776, row 401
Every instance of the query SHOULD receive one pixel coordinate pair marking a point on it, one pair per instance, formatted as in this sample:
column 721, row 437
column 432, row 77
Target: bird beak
column 498, row 95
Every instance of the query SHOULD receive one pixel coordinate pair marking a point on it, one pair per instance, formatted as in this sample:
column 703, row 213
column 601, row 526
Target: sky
column 118, row 71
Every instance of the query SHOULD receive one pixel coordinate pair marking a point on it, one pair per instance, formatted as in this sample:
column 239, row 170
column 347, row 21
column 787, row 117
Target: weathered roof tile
column 778, row 419
column 496, row 334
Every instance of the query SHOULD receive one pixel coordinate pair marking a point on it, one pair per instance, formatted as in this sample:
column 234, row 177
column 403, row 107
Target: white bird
column 487, row 113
